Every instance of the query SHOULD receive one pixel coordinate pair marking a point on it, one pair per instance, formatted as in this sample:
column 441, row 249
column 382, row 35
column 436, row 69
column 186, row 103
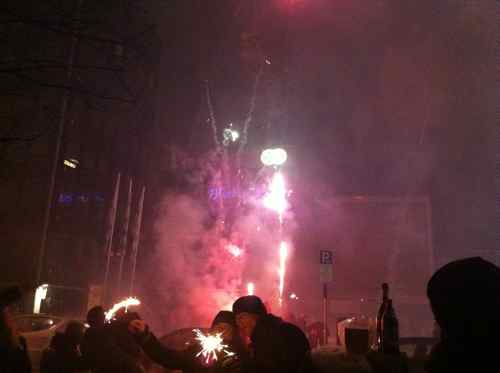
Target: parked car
column 38, row 329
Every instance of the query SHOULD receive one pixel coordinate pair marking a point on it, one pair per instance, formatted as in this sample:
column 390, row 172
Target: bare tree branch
column 72, row 89
column 248, row 119
column 42, row 66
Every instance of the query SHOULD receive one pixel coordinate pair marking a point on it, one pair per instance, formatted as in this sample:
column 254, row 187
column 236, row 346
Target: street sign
column 326, row 266
column 326, row 257
column 325, row 276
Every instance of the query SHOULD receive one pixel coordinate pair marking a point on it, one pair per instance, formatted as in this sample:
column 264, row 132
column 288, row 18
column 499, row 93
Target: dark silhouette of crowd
column 63, row 354
column 464, row 296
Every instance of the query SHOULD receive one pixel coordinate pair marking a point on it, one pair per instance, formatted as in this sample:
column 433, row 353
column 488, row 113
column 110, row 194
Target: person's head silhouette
column 465, row 299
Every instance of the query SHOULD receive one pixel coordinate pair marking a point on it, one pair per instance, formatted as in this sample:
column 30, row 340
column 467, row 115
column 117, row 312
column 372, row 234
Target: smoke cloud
column 194, row 274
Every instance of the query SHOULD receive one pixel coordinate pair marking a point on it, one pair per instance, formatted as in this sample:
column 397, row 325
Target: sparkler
column 211, row 344
column 282, row 270
column 250, row 288
column 123, row 304
column 276, row 198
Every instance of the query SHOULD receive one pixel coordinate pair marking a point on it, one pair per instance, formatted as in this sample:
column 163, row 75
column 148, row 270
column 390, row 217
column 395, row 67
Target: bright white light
column 275, row 199
column 71, row 163
column 40, row 294
column 230, row 135
column 234, row 250
column 250, row 288
column 294, row 296
column 273, row 157
column 234, row 135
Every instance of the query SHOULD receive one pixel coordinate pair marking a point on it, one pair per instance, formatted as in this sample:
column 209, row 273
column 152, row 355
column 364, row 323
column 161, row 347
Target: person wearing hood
column 465, row 299
column 275, row 345
column 187, row 360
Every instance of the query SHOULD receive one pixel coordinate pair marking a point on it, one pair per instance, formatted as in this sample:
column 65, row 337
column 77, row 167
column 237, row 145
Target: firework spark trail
column 282, row 270
column 123, row 304
column 250, row 288
column 275, row 199
column 212, row 121
column 211, row 344
column 248, row 120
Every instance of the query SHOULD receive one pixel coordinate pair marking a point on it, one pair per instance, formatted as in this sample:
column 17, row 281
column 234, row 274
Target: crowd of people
column 464, row 297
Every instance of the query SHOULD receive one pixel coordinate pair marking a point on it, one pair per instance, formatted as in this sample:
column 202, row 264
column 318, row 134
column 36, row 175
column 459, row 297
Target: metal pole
column 55, row 162
column 136, row 239
column 109, row 234
column 124, row 240
column 325, row 313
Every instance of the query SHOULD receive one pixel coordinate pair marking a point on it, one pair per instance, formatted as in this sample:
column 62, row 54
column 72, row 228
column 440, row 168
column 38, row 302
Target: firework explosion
column 275, row 199
column 123, row 304
column 211, row 344
column 189, row 250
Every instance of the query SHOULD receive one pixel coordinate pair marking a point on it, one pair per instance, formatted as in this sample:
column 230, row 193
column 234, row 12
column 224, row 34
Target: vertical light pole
column 55, row 162
column 108, row 244
column 136, row 239
column 124, row 238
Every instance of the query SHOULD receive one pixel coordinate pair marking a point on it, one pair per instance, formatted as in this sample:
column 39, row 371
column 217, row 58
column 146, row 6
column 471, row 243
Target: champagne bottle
column 380, row 314
column 390, row 330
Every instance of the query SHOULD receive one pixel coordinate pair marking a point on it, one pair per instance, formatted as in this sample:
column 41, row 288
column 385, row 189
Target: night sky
column 381, row 98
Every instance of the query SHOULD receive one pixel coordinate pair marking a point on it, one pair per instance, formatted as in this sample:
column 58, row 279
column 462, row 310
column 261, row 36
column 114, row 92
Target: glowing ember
column 234, row 250
column 123, row 304
column 276, row 198
column 250, row 288
column 282, row 270
column 211, row 344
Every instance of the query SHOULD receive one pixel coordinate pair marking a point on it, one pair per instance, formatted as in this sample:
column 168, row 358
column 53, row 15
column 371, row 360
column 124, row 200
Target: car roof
column 45, row 316
column 38, row 315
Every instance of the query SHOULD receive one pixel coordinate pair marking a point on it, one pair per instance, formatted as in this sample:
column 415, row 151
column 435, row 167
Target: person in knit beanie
column 275, row 345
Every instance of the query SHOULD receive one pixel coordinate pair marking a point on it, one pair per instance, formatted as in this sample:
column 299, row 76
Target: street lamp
column 71, row 163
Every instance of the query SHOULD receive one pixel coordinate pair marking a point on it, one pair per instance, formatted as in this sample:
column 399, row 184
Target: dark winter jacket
column 62, row 357
column 104, row 355
column 185, row 360
column 279, row 346
column 450, row 357
column 15, row 360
